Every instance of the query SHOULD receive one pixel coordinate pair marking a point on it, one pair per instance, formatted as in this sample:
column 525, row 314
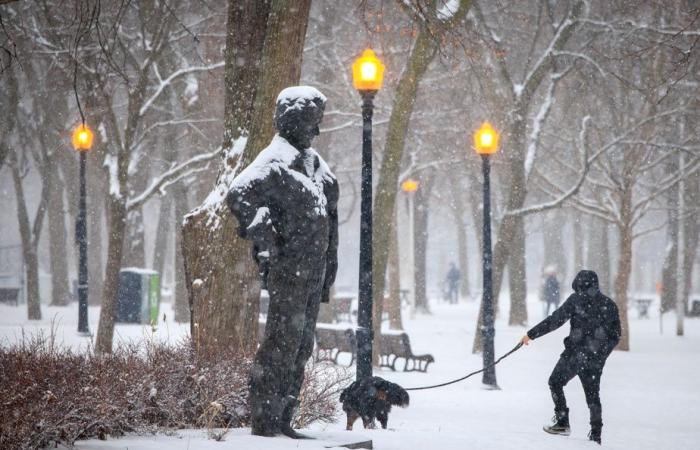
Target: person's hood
column 586, row 283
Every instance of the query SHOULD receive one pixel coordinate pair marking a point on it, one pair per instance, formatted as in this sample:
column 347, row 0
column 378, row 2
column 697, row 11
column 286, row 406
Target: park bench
column 642, row 306
column 396, row 345
column 331, row 341
column 9, row 295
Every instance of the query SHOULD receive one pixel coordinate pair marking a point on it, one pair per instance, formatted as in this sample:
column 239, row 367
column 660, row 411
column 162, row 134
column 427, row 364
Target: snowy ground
column 651, row 395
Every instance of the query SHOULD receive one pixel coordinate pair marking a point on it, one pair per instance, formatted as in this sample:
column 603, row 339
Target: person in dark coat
column 595, row 331
column 286, row 203
column 452, row 280
column 551, row 294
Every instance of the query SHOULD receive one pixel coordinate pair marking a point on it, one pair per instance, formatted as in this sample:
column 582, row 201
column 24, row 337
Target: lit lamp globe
column 82, row 138
column 486, row 139
column 409, row 186
column 367, row 72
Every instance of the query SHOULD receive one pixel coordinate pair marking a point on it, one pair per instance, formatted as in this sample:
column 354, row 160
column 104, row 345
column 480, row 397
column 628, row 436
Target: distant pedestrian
column 550, row 292
column 452, row 281
column 595, row 331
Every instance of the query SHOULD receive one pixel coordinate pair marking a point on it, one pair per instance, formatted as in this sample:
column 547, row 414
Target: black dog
column 372, row 397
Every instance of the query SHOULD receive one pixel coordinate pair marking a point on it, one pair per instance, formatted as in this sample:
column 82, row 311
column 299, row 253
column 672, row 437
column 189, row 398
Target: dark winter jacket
column 595, row 323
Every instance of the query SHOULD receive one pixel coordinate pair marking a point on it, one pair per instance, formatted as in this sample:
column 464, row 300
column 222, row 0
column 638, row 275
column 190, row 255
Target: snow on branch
column 175, row 75
column 170, row 176
column 561, row 36
column 580, row 56
column 539, row 119
column 586, row 162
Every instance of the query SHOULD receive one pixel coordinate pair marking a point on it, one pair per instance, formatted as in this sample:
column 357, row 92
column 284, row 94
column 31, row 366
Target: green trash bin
column 139, row 296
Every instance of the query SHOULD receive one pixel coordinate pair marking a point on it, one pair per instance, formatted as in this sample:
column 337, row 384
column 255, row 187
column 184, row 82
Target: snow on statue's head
column 298, row 113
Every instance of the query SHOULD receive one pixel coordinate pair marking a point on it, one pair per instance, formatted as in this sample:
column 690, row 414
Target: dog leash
column 516, row 348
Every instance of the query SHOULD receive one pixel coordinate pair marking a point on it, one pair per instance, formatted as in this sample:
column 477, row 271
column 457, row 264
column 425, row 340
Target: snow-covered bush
column 51, row 395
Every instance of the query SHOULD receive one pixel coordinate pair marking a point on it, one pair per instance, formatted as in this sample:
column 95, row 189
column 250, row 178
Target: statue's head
column 298, row 113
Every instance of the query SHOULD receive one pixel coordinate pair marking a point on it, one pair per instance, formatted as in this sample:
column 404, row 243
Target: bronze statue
column 286, row 203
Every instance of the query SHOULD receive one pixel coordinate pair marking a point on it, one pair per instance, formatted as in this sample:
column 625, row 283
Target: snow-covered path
column 651, row 395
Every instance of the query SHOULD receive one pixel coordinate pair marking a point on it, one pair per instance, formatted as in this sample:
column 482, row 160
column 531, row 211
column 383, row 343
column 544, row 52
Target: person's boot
column 595, row 433
column 560, row 423
column 290, row 408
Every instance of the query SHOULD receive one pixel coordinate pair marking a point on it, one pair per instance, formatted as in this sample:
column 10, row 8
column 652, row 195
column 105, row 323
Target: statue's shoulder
column 324, row 169
column 275, row 156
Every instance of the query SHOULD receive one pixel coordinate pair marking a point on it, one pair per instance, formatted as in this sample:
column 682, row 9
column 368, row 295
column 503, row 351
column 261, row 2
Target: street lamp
column 367, row 74
column 410, row 186
column 82, row 142
column 486, row 144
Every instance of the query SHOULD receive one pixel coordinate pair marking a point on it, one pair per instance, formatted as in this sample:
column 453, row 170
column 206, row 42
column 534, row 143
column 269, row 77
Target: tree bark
column 96, row 224
column 160, row 247
column 117, row 230
column 692, row 231
column 517, row 278
column 181, row 300
column 578, row 244
column 554, row 254
column 624, row 269
column 222, row 279
column 60, row 291
column 420, row 240
column 422, row 54
column 598, row 257
column 458, row 212
column 394, row 302
column 669, row 271
column 30, row 238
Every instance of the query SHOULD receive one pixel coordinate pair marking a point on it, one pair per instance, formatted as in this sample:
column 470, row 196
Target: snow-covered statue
column 286, row 203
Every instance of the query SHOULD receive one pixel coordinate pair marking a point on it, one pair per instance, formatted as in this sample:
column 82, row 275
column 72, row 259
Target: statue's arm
column 250, row 204
column 332, row 194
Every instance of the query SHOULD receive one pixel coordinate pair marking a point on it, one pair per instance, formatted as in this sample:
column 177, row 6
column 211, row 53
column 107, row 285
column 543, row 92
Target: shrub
column 51, row 395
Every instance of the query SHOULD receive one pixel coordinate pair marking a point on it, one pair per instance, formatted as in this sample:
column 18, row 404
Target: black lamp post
column 82, row 141
column 367, row 79
column 486, row 143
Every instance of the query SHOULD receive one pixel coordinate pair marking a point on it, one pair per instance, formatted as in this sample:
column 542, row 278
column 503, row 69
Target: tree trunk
column 669, row 271
column 422, row 54
column 554, row 254
column 420, row 240
column 222, row 279
column 598, row 258
column 517, row 278
column 281, row 68
column 96, row 224
column 624, row 269
column 394, row 306
column 117, row 230
column 692, row 231
column 578, row 245
column 134, row 242
column 181, row 300
column 458, row 212
column 160, row 247
column 30, row 239
column 60, row 291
